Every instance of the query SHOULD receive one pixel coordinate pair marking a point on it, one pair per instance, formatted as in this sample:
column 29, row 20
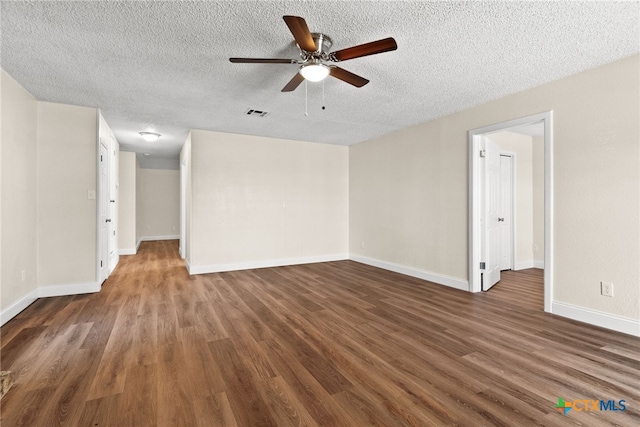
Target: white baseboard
column 218, row 268
column 113, row 265
column 61, row 290
column 414, row 272
column 597, row 318
column 152, row 238
column 14, row 309
column 523, row 265
column 43, row 292
column 128, row 251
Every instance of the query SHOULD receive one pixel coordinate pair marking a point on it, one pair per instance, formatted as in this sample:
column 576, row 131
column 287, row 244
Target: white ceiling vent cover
column 257, row 113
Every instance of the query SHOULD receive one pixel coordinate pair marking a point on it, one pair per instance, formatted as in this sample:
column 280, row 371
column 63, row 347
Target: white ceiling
column 163, row 66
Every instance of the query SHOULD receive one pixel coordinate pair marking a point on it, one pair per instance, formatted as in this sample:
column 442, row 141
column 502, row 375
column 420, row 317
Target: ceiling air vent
column 256, row 113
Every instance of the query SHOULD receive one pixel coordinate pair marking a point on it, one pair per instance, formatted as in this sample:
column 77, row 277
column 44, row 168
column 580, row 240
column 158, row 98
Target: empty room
column 319, row 213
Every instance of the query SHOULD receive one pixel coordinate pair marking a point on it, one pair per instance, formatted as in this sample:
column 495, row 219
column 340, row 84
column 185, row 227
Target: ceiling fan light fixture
column 314, row 72
column 150, row 136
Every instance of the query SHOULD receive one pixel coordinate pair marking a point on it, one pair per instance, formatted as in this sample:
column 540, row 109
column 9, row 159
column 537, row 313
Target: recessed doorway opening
column 492, row 222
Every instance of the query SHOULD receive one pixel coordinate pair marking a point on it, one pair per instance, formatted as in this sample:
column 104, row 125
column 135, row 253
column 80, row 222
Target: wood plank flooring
column 331, row 344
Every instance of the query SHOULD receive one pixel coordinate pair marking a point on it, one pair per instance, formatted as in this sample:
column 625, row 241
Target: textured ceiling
column 164, row 66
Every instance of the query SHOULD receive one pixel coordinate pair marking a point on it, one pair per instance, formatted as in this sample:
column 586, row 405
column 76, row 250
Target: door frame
column 475, row 136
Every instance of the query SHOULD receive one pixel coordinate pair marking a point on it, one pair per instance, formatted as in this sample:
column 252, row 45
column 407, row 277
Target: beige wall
column 19, row 192
column 261, row 200
column 521, row 146
column 127, row 203
column 538, row 199
column 66, row 216
column 158, row 203
column 409, row 189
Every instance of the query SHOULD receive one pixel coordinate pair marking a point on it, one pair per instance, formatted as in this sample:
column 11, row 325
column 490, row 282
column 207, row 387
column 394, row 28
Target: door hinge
column 100, row 263
column 482, row 266
column 483, row 153
column 100, row 157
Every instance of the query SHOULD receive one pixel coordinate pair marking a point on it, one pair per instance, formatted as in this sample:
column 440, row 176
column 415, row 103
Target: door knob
column 500, row 219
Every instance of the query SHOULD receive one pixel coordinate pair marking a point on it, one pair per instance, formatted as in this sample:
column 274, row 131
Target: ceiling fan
column 314, row 54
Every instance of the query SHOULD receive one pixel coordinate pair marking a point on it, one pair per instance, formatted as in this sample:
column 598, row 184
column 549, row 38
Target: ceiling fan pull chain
column 306, row 112
column 323, row 94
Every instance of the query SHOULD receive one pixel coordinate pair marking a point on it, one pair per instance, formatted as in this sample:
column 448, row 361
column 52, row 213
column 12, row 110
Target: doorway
column 484, row 260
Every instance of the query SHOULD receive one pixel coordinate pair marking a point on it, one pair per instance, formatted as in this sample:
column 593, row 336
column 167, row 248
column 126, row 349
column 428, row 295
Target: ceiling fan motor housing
column 323, row 44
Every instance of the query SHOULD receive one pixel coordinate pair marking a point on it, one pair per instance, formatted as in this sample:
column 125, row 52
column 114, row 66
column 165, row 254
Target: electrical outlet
column 362, row 245
column 24, row 275
column 606, row 289
column 535, row 248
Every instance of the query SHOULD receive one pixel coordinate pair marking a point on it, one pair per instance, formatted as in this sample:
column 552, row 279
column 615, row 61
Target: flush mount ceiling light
column 150, row 136
column 314, row 71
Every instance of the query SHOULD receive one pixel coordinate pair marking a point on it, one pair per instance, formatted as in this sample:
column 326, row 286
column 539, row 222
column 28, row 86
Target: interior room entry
column 490, row 219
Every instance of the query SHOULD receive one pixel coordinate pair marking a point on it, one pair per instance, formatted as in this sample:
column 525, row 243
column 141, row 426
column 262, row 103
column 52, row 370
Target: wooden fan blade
column 379, row 46
column 293, row 83
column 262, row 61
column 348, row 76
column 301, row 33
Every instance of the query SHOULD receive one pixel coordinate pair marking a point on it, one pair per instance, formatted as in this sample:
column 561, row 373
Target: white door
column 113, row 211
column 490, row 224
column 505, row 220
column 103, row 207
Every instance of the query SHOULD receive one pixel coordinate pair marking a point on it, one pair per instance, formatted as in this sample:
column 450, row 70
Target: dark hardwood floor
column 332, row 344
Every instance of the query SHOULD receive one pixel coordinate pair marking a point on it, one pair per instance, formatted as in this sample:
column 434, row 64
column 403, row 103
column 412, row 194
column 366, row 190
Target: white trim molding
column 219, row 268
column 597, row 318
column 128, row 251
column 440, row 279
column 43, row 292
column 152, row 238
column 14, row 309
column 61, row 290
column 532, row 263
